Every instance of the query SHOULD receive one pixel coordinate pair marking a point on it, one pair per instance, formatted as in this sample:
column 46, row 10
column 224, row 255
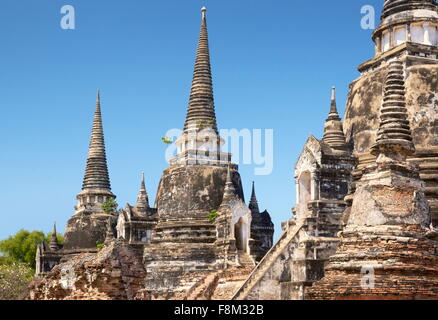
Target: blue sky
column 273, row 64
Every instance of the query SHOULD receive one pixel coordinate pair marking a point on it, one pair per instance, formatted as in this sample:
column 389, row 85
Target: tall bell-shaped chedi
column 89, row 223
column 388, row 249
column 200, row 142
column 408, row 31
column 190, row 193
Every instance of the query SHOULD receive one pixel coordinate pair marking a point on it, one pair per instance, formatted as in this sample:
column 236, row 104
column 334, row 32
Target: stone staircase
column 266, row 262
column 204, row 289
column 244, row 259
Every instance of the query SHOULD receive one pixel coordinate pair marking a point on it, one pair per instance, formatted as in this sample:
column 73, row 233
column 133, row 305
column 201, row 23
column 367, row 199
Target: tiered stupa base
column 403, row 259
column 173, row 268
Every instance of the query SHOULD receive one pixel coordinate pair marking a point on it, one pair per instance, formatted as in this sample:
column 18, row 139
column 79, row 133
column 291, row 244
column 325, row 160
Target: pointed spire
column 96, row 172
column 142, row 198
column 333, row 107
column 201, row 112
column 143, row 185
column 394, row 133
column 333, row 130
column 253, row 204
column 54, row 245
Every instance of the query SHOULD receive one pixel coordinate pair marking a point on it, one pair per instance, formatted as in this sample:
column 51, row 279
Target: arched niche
column 241, row 226
column 240, row 235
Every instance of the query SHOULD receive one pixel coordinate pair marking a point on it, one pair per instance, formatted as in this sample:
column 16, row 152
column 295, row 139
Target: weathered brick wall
column 403, row 261
column 115, row 273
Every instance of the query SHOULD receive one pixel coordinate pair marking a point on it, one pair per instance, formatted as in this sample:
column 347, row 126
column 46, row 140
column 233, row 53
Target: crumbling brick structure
column 200, row 224
column 388, row 249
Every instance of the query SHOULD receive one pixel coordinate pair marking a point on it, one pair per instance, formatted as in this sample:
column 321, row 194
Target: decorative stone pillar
column 314, row 192
column 408, row 33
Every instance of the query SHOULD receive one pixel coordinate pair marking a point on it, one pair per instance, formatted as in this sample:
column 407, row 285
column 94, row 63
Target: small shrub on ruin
column 110, row 206
column 212, row 216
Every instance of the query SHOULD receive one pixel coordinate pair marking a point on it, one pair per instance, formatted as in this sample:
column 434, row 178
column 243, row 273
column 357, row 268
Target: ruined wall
column 172, row 268
column 263, row 235
column 298, row 258
column 46, row 259
column 84, row 230
column 403, row 261
column 335, row 177
column 300, row 263
column 115, row 273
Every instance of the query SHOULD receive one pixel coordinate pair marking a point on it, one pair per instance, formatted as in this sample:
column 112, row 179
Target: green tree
column 110, row 206
column 5, row 261
column 21, row 247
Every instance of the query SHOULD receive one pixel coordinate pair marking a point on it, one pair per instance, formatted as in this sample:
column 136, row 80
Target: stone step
column 245, row 259
column 265, row 263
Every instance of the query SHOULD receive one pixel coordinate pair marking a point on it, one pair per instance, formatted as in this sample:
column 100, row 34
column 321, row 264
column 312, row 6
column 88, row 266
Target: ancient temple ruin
column 364, row 223
column 408, row 32
column 136, row 223
column 200, row 181
column 388, row 250
column 384, row 209
column 89, row 223
column 87, row 227
column 48, row 255
column 322, row 176
column 199, row 231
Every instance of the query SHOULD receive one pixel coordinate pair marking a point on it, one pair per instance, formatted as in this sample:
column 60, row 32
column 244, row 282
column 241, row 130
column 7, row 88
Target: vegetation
column 110, row 206
column 17, row 262
column 21, row 247
column 212, row 216
column 14, row 280
column 99, row 245
column 166, row 140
